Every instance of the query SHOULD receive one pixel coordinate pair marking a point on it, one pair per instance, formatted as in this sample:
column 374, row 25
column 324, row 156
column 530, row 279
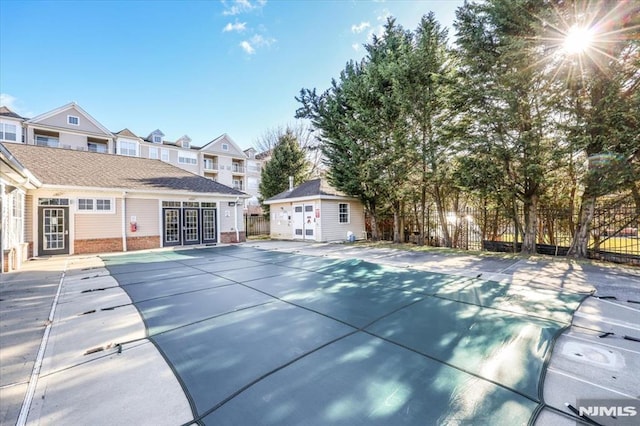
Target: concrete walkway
column 84, row 376
column 99, row 368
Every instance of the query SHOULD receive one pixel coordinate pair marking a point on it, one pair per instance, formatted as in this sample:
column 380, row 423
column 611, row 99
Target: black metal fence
column 256, row 225
column 614, row 235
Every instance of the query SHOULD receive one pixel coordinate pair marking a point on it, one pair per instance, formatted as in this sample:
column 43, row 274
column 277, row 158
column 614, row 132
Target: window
column 8, row 132
column 343, row 213
column 186, row 143
column 171, row 204
column 128, row 148
column 252, row 183
column 153, row 153
column 85, row 204
column 252, row 166
column 237, row 184
column 95, row 205
column 164, row 154
column 97, row 147
column 187, row 158
column 72, row 119
column 225, row 147
column 157, row 139
column 103, row 205
column 53, row 201
column 47, row 141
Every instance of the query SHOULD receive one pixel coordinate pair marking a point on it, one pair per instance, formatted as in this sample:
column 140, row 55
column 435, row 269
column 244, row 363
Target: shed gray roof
column 310, row 188
column 56, row 166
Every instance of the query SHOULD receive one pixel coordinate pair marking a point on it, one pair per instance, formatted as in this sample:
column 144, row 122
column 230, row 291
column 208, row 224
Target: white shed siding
column 332, row 229
column 280, row 221
column 147, row 217
column 100, row 225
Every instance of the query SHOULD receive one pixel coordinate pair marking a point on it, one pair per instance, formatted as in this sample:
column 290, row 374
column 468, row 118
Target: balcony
column 210, row 165
column 97, row 147
column 237, row 168
column 46, row 140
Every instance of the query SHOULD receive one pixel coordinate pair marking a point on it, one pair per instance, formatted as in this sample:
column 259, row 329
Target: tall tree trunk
column 396, row 222
column 444, row 226
column 423, row 203
column 530, row 225
column 580, row 241
column 374, row 221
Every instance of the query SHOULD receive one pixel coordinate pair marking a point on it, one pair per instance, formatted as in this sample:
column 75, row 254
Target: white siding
column 147, row 217
column 100, row 225
column 28, row 218
column 60, row 120
column 332, row 229
column 280, row 221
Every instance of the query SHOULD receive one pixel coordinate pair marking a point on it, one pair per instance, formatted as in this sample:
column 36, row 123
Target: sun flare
column 577, row 40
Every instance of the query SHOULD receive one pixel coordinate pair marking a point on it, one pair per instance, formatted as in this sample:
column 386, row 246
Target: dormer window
column 156, row 136
column 73, row 120
column 186, row 144
column 225, row 147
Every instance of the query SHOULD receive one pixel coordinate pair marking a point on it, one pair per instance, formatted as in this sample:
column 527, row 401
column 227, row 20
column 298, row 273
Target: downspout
column 124, row 221
column 235, row 213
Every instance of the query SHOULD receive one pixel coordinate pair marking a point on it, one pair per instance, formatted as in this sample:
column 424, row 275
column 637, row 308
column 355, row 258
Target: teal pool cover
column 269, row 338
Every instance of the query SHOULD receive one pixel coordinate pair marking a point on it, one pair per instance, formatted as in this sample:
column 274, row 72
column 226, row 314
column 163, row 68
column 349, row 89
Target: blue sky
column 200, row 68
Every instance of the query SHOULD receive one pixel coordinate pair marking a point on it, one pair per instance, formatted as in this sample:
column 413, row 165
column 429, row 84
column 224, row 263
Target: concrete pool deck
column 84, row 376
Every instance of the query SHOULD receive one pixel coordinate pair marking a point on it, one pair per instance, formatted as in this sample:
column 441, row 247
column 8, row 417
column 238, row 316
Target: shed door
column 298, row 222
column 303, row 222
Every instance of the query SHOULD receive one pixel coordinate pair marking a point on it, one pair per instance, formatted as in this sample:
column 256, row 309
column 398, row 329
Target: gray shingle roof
column 309, row 188
column 6, row 112
column 56, row 166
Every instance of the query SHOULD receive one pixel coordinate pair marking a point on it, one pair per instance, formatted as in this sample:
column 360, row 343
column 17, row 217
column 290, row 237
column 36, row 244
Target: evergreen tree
column 363, row 131
column 287, row 159
column 502, row 80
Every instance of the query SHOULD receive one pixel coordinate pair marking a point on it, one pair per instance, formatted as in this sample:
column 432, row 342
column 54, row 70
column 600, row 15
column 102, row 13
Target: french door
column 53, row 230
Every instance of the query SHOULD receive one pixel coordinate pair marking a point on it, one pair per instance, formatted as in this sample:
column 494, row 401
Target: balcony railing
column 210, row 165
column 237, row 168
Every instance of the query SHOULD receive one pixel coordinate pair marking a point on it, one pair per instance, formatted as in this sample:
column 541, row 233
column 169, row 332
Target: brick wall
column 15, row 257
column 230, row 237
column 143, row 243
column 98, row 245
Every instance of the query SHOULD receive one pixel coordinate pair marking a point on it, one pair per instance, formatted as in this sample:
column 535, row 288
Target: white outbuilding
column 316, row 211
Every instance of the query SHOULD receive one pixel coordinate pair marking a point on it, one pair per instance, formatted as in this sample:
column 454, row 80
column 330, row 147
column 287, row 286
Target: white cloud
column 258, row 40
column 14, row 105
column 383, row 15
column 356, row 46
column 356, row 29
column 246, row 46
column 242, row 6
column 8, row 101
column 238, row 26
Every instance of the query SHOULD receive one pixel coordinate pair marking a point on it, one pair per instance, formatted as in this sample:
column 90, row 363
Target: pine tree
column 287, row 159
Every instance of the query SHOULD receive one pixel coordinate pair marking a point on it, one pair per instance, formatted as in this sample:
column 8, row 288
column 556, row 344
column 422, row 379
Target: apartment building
column 71, row 127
